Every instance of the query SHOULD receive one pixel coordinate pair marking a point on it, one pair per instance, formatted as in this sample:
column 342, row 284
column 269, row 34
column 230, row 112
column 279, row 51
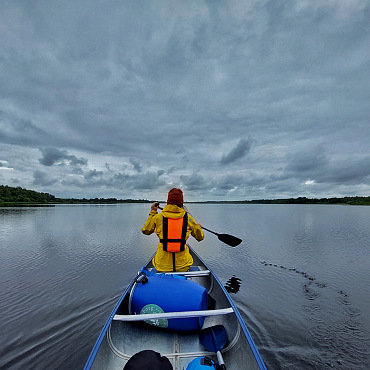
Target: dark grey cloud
column 55, row 156
column 193, row 182
column 146, row 181
column 93, row 174
column 19, row 131
column 316, row 165
column 241, row 149
column 137, row 166
column 43, row 179
column 228, row 182
column 348, row 171
column 127, row 100
column 308, row 161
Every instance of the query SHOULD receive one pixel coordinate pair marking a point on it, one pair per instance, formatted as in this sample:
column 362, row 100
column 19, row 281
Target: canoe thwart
column 173, row 315
column 190, row 273
column 195, row 271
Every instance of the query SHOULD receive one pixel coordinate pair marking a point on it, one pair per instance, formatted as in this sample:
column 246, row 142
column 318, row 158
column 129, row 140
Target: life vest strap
column 173, row 261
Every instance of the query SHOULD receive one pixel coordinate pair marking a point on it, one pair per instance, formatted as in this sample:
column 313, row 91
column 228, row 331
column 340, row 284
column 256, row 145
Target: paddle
column 231, row 240
column 214, row 339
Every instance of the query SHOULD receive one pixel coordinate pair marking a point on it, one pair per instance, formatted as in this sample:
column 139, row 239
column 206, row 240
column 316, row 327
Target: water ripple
column 301, row 274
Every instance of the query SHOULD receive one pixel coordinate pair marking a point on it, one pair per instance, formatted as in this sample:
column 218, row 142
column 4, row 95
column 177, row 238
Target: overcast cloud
column 239, row 99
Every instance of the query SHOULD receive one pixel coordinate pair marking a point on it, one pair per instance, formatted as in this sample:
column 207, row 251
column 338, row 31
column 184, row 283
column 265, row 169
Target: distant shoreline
column 366, row 202
column 11, row 196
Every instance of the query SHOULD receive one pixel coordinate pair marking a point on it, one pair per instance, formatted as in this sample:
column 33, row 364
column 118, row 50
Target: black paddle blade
column 213, row 338
column 233, row 241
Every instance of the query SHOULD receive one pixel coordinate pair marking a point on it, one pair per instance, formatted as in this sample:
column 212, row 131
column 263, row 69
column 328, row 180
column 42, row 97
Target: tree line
column 10, row 194
column 304, row 200
column 17, row 195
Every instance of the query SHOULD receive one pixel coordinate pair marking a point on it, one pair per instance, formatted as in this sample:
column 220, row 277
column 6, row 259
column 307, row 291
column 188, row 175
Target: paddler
column 173, row 227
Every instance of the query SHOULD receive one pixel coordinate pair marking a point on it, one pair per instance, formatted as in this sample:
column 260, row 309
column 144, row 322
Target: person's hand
column 154, row 206
column 199, row 224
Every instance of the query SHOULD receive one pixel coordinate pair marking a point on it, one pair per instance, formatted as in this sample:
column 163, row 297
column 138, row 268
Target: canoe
column 125, row 333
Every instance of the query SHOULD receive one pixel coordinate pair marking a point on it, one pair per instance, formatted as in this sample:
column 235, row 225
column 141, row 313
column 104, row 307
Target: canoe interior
column 123, row 339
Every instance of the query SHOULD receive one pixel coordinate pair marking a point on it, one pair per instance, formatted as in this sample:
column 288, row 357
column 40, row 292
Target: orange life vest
column 174, row 233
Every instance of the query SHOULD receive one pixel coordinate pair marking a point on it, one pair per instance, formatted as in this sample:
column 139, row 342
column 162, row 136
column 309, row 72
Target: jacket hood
column 173, row 211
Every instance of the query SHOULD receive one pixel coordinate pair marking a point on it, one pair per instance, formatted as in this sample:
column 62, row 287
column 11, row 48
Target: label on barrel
column 153, row 308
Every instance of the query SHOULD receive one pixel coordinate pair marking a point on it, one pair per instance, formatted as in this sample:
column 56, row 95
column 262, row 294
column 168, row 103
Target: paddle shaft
column 231, row 240
column 213, row 232
column 221, row 361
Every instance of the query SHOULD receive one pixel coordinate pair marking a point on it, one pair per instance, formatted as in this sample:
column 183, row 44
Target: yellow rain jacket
column 162, row 260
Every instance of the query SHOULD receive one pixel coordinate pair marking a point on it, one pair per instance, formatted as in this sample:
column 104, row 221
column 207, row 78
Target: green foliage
column 10, row 194
column 101, row 201
column 364, row 201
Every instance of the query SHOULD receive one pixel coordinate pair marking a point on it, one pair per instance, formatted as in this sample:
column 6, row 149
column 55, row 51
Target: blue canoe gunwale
column 247, row 352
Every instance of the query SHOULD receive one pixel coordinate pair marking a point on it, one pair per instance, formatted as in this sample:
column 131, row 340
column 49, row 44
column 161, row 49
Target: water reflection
column 17, row 209
column 307, row 306
column 14, row 211
column 233, row 284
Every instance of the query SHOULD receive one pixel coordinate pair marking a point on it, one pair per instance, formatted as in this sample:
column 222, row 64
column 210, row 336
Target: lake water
column 303, row 272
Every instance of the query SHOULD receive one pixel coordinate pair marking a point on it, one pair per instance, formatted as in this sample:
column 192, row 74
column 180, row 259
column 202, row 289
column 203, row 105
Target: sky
column 227, row 100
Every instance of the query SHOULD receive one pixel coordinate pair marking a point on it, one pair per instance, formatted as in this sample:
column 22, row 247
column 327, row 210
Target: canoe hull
column 121, row 339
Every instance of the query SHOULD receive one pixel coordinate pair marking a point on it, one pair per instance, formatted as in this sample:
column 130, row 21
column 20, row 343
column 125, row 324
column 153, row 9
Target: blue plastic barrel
column 201, row 363
column 167, row 294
